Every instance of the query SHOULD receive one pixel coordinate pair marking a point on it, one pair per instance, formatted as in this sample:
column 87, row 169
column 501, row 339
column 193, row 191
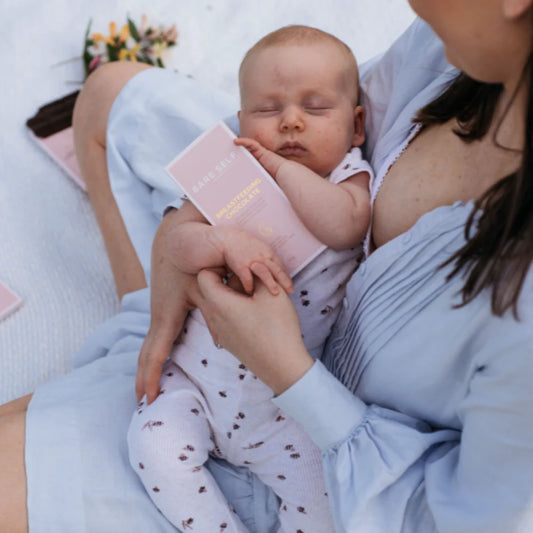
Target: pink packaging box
column 9, row 301
column 60, row 147
column 228, row 186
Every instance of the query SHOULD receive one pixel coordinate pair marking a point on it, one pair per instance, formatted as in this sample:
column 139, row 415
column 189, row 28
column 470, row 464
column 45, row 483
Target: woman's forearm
column 191, row 243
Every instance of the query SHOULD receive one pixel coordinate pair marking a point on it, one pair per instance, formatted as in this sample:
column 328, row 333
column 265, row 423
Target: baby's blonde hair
column 303, row 35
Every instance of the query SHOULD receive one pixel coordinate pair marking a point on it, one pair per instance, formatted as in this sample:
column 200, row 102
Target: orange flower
column 112, row 30
column 98, row 38
column 114, row 38
column 129, row 55
column 124, row 34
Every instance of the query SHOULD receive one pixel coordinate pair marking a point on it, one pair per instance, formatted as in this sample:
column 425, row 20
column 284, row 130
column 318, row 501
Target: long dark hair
column 499, row 232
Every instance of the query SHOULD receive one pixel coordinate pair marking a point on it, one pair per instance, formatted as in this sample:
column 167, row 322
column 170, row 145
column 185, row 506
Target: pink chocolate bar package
column 228, row 186
column 51, row 128
column 60, row 147
column 9, row 301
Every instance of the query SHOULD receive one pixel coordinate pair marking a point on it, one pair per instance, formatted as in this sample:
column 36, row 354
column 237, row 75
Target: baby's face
column 297, row 101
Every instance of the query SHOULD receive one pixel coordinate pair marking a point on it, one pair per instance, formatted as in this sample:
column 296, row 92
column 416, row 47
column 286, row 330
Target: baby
column 300, row 118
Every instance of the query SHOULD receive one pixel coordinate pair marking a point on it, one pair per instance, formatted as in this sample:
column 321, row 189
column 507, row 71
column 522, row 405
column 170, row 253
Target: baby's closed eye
column 317, row 105
column 267, row 108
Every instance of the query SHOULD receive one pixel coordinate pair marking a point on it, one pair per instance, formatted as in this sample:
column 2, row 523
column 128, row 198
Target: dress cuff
column 327, row 410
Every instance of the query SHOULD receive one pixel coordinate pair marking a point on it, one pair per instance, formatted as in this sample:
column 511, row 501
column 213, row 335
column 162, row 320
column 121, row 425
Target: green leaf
column 88, row 29
column 133, row 31
column 87, row 58
column 160, row 63
column 144, row 58
column 112, row 53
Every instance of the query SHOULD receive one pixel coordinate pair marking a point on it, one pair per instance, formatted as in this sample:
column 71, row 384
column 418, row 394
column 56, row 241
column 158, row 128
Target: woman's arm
column 386, row 471
column 391, row 472
column 173, row 293
column 185, row 243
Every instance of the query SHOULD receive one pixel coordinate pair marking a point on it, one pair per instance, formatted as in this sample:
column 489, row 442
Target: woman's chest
column 408, row 349
column 437, row 168
column 401, row 342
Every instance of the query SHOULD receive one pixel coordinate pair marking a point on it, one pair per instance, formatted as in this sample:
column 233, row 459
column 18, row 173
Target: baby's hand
column 269, row 160
column 246, row 256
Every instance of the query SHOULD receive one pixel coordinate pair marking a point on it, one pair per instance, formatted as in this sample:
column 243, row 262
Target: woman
column 422, row 404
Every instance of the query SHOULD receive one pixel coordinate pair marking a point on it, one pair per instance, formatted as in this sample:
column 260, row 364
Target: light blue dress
column 422, row 411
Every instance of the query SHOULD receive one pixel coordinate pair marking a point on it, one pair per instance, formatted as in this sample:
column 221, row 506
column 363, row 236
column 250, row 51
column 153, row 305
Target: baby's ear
column 359, row 126
column 513, row 9
column 239, row 114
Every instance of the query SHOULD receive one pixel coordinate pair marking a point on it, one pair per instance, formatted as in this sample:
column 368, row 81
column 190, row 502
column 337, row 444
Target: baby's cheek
column 261, row 131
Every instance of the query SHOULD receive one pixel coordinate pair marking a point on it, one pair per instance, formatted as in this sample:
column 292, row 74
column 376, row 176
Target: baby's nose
column 292, row 119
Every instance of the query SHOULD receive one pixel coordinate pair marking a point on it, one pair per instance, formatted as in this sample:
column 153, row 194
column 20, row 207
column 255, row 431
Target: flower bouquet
column 147, row 44
column 51, row 126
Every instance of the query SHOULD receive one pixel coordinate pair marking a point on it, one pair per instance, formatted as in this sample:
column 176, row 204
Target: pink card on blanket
column 9, row 301
column 60, row 147
column 51, row 128
column 228, row 186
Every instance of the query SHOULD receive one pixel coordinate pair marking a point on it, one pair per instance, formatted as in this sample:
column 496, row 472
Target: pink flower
column 94, row 63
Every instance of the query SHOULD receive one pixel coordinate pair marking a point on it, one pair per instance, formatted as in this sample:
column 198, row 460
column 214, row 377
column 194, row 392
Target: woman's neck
column 509, row 122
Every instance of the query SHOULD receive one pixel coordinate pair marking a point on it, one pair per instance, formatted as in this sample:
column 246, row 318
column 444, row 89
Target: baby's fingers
column 280, row 274
column 246, row 278
column 268, row 273
column 264, row 274
column 250, row 144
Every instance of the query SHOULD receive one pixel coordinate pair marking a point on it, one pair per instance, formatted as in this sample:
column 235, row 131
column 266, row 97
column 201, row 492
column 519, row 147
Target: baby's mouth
column 291, row 148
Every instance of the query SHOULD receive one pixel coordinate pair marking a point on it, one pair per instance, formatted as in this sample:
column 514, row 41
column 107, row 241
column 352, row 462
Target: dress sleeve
column 388, row 472
column 396, row 84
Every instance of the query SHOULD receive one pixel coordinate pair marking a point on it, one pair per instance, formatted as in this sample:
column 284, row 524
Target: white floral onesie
column 210, row 404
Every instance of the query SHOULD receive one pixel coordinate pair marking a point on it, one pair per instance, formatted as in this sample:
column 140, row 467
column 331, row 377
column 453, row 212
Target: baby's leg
column 284, row 457
column 169, row 441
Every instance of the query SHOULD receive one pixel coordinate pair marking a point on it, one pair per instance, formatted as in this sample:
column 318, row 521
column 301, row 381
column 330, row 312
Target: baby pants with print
column 212, row 405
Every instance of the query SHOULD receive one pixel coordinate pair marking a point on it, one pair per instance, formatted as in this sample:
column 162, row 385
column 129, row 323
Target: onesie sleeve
column 352, row 164
column 388, row 472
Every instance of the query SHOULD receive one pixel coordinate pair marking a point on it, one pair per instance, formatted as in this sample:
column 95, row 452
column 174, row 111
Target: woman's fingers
column 154, row 352
column 216, row 296
column 211, row 287
column 158, row 344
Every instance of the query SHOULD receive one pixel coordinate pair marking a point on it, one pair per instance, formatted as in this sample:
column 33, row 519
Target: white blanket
column 51, row 251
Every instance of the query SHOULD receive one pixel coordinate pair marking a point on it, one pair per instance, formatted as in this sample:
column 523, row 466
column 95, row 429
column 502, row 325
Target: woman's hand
column 173, row 295
column 261, row 330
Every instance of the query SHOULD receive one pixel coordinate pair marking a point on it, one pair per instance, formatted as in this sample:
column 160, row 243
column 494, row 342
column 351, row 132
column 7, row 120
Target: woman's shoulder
column 397, row 84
